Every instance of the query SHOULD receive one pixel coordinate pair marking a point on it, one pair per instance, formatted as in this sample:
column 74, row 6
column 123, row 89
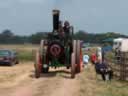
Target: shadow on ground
column 5, row 65
column 50, row 74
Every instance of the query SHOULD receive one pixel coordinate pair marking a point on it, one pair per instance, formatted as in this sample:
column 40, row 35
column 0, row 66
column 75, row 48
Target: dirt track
column 19, row 81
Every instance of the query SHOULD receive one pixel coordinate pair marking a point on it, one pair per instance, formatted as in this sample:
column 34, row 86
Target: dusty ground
column 19, row 81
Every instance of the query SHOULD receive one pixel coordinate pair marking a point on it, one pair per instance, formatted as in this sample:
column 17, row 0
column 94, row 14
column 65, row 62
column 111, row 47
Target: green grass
column 24, row 51
column 115, row 88
column 25, row 56
column 91, row 85
column 95, row 86
column 109, row 56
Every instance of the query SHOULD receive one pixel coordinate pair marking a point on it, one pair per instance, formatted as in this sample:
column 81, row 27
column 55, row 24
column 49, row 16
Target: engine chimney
column 56, row 14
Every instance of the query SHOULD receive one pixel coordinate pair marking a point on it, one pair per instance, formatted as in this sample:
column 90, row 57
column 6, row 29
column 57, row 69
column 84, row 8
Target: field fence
column 119, row 65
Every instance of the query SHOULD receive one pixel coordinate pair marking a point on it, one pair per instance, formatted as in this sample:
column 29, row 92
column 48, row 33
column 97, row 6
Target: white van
column 120, row 44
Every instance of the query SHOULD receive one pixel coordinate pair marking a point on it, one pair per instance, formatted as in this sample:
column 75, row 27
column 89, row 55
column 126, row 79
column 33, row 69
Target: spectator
column 93, row 58
column 85, row 60
column 103, row 55
column 103, row 69
column 99, row 53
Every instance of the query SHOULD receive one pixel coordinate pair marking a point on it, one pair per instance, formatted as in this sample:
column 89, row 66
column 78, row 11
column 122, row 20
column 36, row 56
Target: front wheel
column 16, row 62
column 45, row 69
column 11, row 63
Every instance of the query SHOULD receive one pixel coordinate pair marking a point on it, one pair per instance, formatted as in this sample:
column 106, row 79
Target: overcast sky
column 95, row 16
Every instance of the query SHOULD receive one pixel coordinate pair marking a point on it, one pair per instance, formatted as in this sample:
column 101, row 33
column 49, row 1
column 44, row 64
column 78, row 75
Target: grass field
column 87, row 83
column 93, row 85
column 24, row 51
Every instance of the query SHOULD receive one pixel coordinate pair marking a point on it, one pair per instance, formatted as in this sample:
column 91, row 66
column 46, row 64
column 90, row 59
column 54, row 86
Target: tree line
column 8, row 37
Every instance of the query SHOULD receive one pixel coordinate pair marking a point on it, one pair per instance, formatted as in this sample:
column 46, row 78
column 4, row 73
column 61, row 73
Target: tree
column 7, row 33
column 6, row 36
column 36, row 38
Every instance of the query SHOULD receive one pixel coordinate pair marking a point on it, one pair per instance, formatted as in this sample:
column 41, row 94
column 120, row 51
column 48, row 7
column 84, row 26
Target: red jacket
column 93, row 58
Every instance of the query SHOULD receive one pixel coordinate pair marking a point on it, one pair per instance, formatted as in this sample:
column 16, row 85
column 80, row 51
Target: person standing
column 85, row 60
column 93, row 58
column 66, row 27
column 99, row 53
column 103, row 69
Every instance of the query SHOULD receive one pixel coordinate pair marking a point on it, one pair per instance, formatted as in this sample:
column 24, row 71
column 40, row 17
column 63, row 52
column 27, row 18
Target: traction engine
column 59, row 49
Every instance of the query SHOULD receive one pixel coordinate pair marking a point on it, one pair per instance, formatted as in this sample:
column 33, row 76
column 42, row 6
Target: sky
column 25, row 17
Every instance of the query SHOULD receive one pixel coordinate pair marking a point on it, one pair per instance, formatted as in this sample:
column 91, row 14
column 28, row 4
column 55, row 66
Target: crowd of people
column 97, row 59
column 101, row 65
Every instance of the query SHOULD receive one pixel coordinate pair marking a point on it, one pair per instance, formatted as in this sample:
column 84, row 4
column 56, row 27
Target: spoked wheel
column 78, row 57
column 37, row 64
column 73, row 60
column 45, row 67
column 41, row 47
column 73, row 71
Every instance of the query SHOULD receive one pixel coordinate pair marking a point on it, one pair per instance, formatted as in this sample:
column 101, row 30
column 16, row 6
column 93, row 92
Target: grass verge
column 92, row 85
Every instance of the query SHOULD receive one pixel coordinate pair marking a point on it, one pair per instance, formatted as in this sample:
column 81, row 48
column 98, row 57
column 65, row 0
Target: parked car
column 8, row 57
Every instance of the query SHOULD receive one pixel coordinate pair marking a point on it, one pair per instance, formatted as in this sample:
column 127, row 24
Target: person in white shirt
column 85, row 60
column 99, row 53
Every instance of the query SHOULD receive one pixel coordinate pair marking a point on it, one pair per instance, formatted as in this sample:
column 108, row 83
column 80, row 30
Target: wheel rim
column 73, row 60
column 44, row 56
column 78, row 57
column 41, row 47
column 73, row 65
column 37, row 64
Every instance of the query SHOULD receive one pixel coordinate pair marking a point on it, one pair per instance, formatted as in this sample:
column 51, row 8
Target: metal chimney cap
column 55, row 11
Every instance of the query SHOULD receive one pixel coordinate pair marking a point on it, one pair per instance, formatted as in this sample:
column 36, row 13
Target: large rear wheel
column 73, row 60
column 43, row 49
column 73, row 71
column 78, row 56
column 37, row 64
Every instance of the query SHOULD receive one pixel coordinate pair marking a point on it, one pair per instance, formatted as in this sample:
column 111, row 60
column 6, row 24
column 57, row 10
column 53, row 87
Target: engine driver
column 66, row 27
column 60, row 30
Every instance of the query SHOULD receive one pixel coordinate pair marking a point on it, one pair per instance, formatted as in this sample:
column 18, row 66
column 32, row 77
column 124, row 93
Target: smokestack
column 56, row 14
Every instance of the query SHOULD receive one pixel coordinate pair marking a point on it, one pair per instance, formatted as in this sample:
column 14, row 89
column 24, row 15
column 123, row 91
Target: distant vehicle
column 107, row 48
column 8, row 57
column 120, row 44
column 84, row 45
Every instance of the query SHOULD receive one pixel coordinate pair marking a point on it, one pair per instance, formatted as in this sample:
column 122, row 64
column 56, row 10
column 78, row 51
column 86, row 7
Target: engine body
column 59, row 44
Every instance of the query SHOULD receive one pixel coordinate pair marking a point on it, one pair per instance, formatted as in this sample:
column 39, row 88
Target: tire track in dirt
column 60, row 85
column 55, row 83
column 67, row 87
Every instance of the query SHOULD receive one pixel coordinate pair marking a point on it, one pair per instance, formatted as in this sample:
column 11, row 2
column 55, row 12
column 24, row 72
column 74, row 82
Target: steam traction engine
column 58, row 50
